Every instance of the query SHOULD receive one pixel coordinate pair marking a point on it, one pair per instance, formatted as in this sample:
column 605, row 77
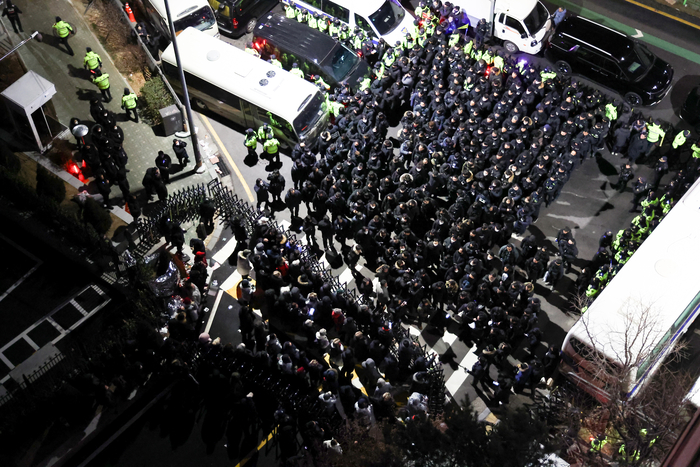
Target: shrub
column 60, row 153
column 95, row 215
column 154, row 96
column 49, row 185
column 8, row 159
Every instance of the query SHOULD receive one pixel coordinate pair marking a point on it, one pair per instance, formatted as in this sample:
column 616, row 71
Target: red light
column 235, row 23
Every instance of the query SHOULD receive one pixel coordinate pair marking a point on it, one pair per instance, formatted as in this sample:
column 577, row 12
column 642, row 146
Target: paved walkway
column 74, row 90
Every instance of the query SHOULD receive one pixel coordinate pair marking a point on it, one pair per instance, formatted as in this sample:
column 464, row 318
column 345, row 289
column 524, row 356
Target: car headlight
column 533, row 43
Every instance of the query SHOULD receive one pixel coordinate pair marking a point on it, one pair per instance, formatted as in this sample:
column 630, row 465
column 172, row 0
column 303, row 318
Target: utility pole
column 199, row 168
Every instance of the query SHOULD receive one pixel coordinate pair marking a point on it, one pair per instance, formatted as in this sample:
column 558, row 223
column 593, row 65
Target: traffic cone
column 126, row 208
column 127, row 8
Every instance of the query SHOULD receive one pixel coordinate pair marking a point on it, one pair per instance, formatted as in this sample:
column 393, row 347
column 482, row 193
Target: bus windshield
column 387, row 17
column 536, row 19
column 309, row 115
column 202, row 19
column 340, row 63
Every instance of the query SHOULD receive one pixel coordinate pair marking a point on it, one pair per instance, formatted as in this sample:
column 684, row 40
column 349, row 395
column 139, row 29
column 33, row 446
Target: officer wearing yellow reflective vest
column 695, row 149
column 251, row 144
column 265, row 132
column 63, row 30
column 322, row 24
column 92, row 61
column 322, row 85
column 611, row 110
column 290, row 11
column 129, row 104
column 296, row 71
column 655, row 136
column 272, row 153
column 101, row 80
column 249, row 48
column 334, row 28
column 274, row 61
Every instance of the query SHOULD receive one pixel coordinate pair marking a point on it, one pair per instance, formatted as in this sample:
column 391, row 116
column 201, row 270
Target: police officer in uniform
column 64, row 30
column 129, row 104
column 251, row 143
column 92, row 62
column 101, row 80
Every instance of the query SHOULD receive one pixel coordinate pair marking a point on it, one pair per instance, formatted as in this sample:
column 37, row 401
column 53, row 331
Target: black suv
column 237, row 17
column 610, row 58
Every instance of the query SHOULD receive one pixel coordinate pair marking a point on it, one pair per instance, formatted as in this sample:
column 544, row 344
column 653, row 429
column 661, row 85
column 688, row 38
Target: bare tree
column 639, row 428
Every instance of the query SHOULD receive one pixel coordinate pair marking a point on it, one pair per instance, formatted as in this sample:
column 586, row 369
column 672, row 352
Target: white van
column 379, row 18
column 185, row 13
column 522, row 25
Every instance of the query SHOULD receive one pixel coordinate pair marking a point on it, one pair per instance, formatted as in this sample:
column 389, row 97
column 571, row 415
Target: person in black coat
column 640, row 190
column 134, row 207
column 638, row 147
column 177, row 237
column 180, row 152
column 262, row 190
column 207, row 210
column 104, row 189
column 163, row 162
column 626, row 174
column 12, row 12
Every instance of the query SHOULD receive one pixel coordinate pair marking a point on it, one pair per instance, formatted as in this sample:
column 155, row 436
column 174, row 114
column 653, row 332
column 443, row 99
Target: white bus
column 640, row 316
column 246, row 90
column 197, row 14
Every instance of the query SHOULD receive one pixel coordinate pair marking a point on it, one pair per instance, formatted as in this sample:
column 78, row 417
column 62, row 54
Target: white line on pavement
column 213, row 310
column 460, row 375
column 223, row 254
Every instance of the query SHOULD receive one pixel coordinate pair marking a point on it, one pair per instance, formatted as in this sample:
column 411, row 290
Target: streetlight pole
column 188, row 109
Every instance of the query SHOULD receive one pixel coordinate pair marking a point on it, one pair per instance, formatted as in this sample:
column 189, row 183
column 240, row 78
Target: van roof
column 178, row 8
column 517, row 8
column 292, row 35
column 596, row 35
column 363, row 7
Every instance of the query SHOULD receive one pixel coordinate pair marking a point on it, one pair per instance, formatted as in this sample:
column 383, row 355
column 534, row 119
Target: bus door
column 250, row 114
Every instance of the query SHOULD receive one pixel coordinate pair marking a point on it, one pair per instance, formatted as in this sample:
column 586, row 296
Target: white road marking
column 460, row 375
column 213, row 310
column 223, row 254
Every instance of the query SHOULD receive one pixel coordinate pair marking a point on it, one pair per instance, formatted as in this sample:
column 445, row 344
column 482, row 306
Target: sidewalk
column 74, row 91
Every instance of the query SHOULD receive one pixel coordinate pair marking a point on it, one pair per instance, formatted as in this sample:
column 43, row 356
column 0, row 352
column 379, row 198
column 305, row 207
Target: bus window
column 311, row 113
column 280, row 125
column 364, row 25
column 337, row 11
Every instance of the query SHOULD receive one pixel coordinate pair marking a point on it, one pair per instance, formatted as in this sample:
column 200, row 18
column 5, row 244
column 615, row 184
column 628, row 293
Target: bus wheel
column 198, row 104
column 510, row 47
column 251, row 25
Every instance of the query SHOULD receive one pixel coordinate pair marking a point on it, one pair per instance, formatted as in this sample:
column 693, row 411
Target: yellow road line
column 688, row 23
column 228, row 156
column 260, row 446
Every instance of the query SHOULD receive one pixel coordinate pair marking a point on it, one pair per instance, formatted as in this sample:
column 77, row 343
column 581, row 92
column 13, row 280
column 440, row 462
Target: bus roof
column 653, row 288
column 243, row 74
column 178, row 8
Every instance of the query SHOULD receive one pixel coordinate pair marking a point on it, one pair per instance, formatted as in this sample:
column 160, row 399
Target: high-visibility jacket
column 271, row 146
column 313, row 22
column 252, row 51
column 297, row 72
column 63, row 29
column 291, row 11
column 597, row 445
column 129, row 101
column 678, row 141
column 656, row 134
column 333, row 30
column 454, row 39
column 92, row 60
column 696, row 151
column 276, row 63
column 301, row 15
column 322, row 24
column 263, row 135
column 102, row 81
column 498, row 62
column 468, row 48
column 365, row 84
column 335, row 107
column 547, row 75
column 611, row 111
column 357, row 42
column 318, row 81
column 251, row 141
column 389, row 59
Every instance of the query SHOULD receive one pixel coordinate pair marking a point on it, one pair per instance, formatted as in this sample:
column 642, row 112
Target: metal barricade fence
column 228, row 205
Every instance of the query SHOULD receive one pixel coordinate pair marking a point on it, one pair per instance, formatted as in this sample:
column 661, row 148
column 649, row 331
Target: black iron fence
column 183, row 206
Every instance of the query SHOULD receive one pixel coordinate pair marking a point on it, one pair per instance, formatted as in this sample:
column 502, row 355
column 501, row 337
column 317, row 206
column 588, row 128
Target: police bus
column 197, row 14
column 246, row 90
column 638, row 319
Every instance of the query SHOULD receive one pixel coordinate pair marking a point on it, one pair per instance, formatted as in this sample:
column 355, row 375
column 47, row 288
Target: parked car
column 314, row 52
column 238, row 17
column 690, row 112
column 610, row 58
